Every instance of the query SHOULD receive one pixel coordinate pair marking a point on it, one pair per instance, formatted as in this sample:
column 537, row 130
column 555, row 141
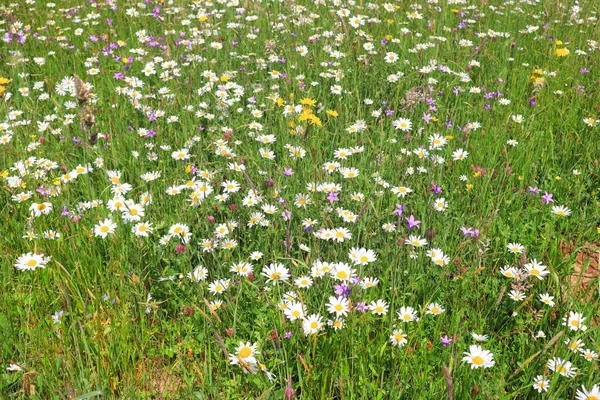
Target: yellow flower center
column 342, row 274
column 31, row 263
column 477, row 360
column 407, row 317
column 314, row 325
column 104, row 229
column 338, row 307
column 245, row 352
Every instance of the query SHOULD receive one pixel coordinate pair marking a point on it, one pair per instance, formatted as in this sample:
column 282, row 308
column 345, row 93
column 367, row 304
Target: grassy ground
column 160, row 161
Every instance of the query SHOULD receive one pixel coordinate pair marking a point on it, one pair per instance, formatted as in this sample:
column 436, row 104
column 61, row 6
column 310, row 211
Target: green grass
column 128, row 332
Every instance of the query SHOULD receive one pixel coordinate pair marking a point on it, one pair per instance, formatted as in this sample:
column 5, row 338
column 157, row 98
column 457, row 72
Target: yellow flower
column 188, row 169
column 558, row 42
column 1, row 91
column 561, row 52
column 333, row 113
column 558, row 178
column 224, row 78
column 202, row 18
column 316, row 120
column 280, row 102
column 3, row 81
column 469, row 186
column 538, row 72
column 307, row 101
column 449, row 137
column 4, row 174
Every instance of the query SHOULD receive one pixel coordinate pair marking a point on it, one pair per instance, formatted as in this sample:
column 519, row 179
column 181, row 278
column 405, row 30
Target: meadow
column 328, row 199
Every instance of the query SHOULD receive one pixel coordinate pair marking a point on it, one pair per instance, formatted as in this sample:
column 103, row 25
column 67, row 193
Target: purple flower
column 65, row 212
column 389, row 112
column 287, row 214
column 427, row 118
column 436, row 189
column 533, row 190
column 361, row 306
column 288, row 172
column 584, row 70
column 332, row 197
column 399, row 209
column 412, row 223
column 547, row 198
column 445, row 340
column 287, row 335
column 466, row 231
column 342, row 290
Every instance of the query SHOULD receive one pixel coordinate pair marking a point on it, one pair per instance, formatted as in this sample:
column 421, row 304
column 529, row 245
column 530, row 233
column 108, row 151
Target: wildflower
column 574, row 345
column 398, row 338
column 574, row 321
column 245, row 352
column 105, row 228
column 561, row 211
column 445, row 340
column 588, row 354
column 547, row 198
column 434, row 309
column 378, row 307
column 534, row 268
column 338, row 306
column 276, row 272
column 362, row 256
column 547, row 299
column 38, row 209
column 407, row 314
column 478, row 357
column 565, row 368
column 592, row 394
column 399, row 209
column 312, row 324
column 515, row 248
column 412, row 223
column 540, row 383
column 415, row 241
column 31, row 261
column 479, row 338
